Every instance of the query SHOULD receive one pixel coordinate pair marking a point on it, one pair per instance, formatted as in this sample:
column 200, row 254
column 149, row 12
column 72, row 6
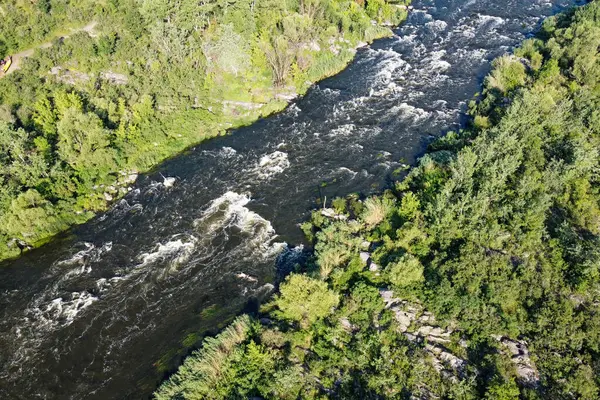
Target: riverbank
column 474, row 277
column 111, row 116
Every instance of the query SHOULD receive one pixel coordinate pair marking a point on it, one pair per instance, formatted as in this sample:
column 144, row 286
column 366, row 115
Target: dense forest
column 475, row 276
column 114, row 87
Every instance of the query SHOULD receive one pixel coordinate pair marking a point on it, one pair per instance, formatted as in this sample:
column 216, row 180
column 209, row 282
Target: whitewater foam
column 82, row 260
column 246, row 277
column 229, row 215
column 391, row 65
column 227, row 152
column 437, row 25
column 49, row 315
column 270, row 165
column 177, row 251
column 410, row 112
column 342, row 130
column 79, row 256
column 348, row 171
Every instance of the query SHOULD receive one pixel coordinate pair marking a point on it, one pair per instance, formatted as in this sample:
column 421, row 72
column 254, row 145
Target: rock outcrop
column 518, row 351
column 419, row 326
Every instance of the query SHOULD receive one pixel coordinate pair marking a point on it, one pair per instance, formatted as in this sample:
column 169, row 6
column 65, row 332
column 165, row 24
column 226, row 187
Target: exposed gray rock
column 330, row 213
column 445, row 358
column 289, row 96
column 68, row 76
column 418, row 325
column 114, row 78
column 519, row 354
column 388, row 298
column 131, row 178
column 404, row 319
column 347, row 325
column 410, row 337
column 169, row 181
column 365, row 257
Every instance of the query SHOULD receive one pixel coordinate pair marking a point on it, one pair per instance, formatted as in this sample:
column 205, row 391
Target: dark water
column 99, row 314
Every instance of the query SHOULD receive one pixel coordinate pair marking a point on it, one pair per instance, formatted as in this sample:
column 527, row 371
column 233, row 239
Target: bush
column 508, row 74
column 305, row 300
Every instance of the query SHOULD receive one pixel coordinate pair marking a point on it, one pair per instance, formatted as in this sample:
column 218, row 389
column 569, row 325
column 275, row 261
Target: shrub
column 305, row 300
column 508, row 74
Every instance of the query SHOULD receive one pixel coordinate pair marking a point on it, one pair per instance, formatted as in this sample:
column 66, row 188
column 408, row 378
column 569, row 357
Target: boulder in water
column 169, row 181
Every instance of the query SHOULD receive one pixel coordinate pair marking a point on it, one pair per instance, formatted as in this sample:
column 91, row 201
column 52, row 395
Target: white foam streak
column 228, row 215
column 436, row 64
column 227, row 152
column 246, row 277
column 79, row 256
column 58, row 312
column 389, row 67
column 177, row 251
column 67, row 310
column 82, row 258
column 270, row 165
column 169, row 181
column 437, row 25
column 490, row 21
column 410, row 112
column 348, row 171
column 342, row 130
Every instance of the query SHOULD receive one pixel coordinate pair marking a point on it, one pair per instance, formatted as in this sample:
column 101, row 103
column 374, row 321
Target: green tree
column 228, row 51
column 405, row 272
column 305, row 300
column 83, row 143
column 45, row 116
column 280, row 57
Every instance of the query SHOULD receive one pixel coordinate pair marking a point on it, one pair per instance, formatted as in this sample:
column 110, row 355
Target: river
column 108, row 309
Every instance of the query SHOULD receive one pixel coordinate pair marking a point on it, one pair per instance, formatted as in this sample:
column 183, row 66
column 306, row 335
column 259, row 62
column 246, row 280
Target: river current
column 106, row 311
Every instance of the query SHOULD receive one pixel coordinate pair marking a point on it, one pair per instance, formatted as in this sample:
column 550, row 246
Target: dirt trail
column 17, row 58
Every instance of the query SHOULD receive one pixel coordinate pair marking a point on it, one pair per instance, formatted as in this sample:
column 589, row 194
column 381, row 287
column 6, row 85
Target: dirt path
column 17, row 58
